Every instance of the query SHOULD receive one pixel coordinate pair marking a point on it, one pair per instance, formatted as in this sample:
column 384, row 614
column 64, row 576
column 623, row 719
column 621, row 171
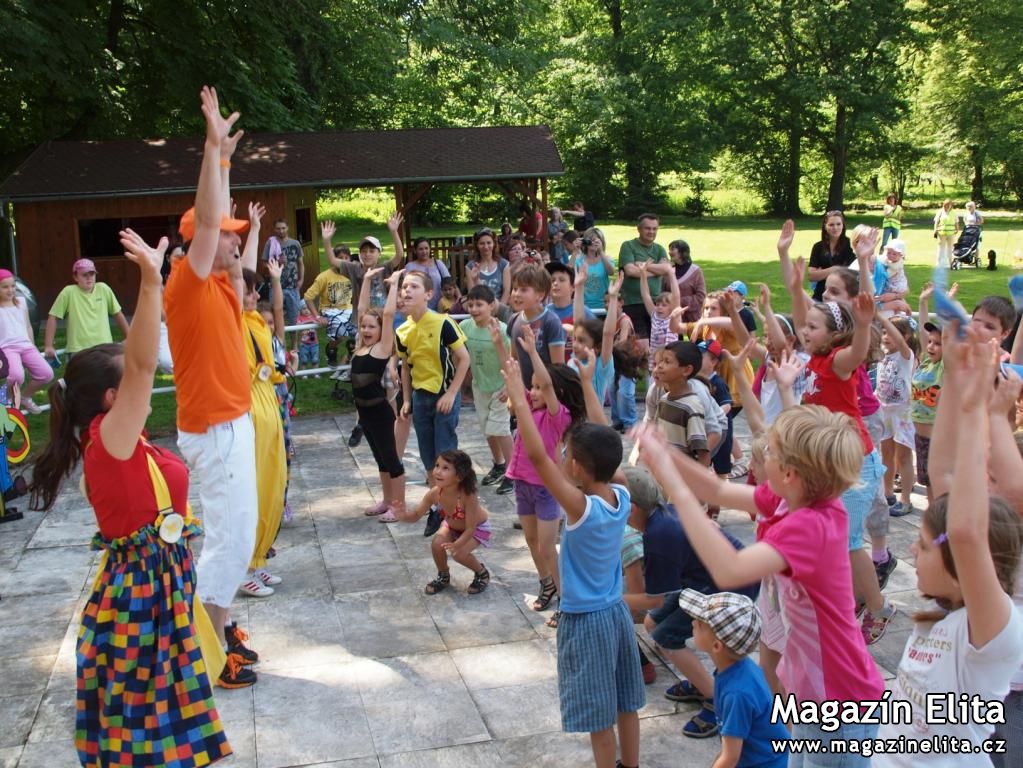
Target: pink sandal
column 388, row 517
column 376, row 509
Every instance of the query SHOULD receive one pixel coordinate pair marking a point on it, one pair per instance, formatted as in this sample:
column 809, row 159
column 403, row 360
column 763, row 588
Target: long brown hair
column 75, row 401
column 1004, row 538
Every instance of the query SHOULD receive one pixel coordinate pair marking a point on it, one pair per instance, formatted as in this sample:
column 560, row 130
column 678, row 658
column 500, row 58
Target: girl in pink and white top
column 967, row 557
column 18, row 343
column 812, row 456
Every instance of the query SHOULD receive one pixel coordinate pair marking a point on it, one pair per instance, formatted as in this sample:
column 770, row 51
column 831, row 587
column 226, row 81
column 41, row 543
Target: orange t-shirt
column 204, row 328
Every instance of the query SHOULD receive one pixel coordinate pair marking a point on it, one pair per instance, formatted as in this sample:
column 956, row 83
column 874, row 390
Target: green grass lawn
column 726, row 249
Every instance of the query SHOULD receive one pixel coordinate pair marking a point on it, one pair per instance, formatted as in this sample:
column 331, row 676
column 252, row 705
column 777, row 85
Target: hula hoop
column 15, row 453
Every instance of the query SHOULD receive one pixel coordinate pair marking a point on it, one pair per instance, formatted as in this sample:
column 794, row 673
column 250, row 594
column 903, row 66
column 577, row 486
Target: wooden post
column 543, row 204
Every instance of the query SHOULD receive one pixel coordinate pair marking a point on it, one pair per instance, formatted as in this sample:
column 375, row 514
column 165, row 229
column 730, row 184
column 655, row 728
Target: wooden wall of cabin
column 48, row 237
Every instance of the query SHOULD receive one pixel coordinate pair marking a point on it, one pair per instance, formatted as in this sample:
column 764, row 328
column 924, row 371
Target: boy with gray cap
column 726, row 626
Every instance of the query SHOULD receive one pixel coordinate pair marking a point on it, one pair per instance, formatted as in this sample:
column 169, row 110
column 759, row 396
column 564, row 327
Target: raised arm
column 788, row 234
column 276, row 268
column 571, row 499
column 578, row 296
column 386, row 342
column 250, row 253
column 801, row 303
column 754, row 410
column 607, row 341
column 541, row 376
column 848, row 359
column 987, row 605
column 923, row 316
column 394, row 227
column 364, row 290
column 865, row 247
column 210, row 205
column 327, row 230
column 787, row 372
column 897, row 338
column 1004, row 464
column 732, row 303
column 942, row 457
column 121, row 428
column 644, row 287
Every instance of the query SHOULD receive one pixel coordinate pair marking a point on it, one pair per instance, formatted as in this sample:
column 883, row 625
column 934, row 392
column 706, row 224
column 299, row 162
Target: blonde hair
column 858, row 231
column 822, row 447
column 758, row 447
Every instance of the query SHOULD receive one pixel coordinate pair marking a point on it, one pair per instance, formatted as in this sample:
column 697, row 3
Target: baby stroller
column 967, row 249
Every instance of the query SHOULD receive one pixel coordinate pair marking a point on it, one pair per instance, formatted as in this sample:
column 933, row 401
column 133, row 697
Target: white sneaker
column 255, row 588
column 30, row 405
column 268, row 579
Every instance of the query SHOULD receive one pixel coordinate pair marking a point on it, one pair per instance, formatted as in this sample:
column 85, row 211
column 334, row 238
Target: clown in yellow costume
column 271, row 462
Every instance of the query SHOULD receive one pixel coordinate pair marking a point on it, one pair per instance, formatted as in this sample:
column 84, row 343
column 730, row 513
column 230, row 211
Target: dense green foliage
column 805, row 104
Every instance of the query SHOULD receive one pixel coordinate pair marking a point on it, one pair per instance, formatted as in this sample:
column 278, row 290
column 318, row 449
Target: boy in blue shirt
column 599, row 677
column 726, row 625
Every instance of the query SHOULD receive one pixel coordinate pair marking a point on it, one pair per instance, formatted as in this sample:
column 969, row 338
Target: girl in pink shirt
column 812, row 456
column 18, row 344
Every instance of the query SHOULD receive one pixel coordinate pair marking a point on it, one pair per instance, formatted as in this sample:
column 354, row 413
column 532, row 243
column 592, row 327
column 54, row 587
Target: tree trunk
column 839, row 160
column 977, row 183
column 794, row 174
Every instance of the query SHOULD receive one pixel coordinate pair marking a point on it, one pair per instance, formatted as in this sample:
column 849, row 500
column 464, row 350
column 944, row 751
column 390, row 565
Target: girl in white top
column 967, row 556
column 17, row 341
column 894, row 392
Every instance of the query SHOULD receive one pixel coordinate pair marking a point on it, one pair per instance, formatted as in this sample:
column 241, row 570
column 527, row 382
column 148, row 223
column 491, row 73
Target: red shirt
column 121, row 492
column 823, row 387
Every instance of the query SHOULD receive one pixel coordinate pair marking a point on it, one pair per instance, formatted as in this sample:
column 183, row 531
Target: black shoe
column 236, row 638
column 506, row 487
column 884, row 570
column 517, row 525
column 356, row 437
column 236, row 674
column 495, row 475
column 433, row 522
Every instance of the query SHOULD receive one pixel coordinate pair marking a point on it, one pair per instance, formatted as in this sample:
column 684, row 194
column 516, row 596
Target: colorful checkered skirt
column 144, row 698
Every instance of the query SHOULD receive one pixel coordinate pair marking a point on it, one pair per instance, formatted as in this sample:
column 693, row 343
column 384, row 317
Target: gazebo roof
column 61, row 170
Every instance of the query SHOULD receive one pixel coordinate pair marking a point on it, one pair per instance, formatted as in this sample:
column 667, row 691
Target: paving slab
column 359, row 668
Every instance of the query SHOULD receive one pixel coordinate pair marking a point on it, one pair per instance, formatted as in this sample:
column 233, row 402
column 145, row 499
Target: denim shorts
column 674, row 626
column 827, row 759
column 859, row 499
column 535, row 500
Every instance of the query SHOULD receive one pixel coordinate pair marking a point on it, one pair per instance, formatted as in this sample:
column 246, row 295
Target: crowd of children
column 854, row 404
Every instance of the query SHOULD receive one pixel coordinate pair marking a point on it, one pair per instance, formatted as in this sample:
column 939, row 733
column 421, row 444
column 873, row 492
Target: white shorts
column 898, row 426
column 773, row 633
column 492, row 413
column 223, row 463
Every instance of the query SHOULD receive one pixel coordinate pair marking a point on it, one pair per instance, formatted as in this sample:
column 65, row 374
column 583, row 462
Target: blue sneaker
column 898, row 509
column 704, row 723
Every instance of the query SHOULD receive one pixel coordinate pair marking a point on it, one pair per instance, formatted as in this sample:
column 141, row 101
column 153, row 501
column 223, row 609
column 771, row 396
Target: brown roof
column 77, row 169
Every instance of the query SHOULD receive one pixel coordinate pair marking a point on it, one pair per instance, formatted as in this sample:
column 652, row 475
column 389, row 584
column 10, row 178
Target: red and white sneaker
column 255, row 588
column 268, row 579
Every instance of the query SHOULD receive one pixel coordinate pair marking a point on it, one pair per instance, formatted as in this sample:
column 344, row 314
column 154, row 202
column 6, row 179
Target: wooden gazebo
column 70, row 199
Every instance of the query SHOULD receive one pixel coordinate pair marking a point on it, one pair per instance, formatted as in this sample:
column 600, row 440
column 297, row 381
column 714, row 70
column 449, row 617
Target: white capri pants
column 223, row 461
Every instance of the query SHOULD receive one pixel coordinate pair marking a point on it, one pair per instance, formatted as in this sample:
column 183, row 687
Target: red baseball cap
column 187, row 224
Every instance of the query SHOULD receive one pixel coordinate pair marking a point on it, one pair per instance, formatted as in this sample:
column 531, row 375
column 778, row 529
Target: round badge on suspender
column 265, row 372
column 171, row 528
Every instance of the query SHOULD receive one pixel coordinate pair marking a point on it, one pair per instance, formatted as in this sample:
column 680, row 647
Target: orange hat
column 187, row 224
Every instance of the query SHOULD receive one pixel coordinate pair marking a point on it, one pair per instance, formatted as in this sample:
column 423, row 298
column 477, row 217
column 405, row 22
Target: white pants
column 223, row 461
column 945, row 243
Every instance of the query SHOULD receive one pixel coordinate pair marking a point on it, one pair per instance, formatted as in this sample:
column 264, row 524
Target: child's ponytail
column 568, row 388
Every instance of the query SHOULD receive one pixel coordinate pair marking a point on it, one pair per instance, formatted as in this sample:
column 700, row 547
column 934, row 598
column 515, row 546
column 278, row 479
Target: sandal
column 547, row 593
column 480, row 582
column 388, row 517
column 552, row 622
column 683, row 690
column 442, row 582
column 703, row 724
column 739, row 469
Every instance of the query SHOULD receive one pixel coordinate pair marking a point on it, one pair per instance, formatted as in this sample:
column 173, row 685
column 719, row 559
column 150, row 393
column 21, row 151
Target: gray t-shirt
column 715, row 420
column 291, row 252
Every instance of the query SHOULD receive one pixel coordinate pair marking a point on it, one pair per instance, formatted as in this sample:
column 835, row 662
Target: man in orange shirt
column 203, row 305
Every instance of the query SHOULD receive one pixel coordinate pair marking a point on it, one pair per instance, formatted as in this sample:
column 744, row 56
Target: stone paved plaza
column 358, row 668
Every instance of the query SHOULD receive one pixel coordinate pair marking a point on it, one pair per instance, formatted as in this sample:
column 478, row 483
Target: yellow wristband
column 225, row 163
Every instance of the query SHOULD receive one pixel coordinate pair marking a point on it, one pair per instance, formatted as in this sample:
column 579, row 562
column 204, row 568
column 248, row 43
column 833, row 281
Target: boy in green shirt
column 87, row 305
column 486, row 338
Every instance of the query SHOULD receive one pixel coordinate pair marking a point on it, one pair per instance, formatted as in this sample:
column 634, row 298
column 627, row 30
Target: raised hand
column 528, row 339
column 863, row 309
column 586, row 361
column 513, row 383
column 788, row 371
column 327, row 229
column 496, row 335
column 795, row 285
column 276, row 268
column 256, row 213
column 394, row 222
column 788, row 234
column 616, row 285
column 737, row 362
column 218, row 128
column 953, row 290
column 148, row 258
column 580, row 275
column 927, row 291
column 394, row 277
column 765, row 297
column 867, row 244
column 1005, row 395
column 371, row 273
column 978, row 362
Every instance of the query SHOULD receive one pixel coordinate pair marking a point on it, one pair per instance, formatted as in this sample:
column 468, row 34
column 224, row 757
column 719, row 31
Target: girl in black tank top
column 369, row 363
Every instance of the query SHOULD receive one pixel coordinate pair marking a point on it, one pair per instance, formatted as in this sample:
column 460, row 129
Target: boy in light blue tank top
column 599, row 677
